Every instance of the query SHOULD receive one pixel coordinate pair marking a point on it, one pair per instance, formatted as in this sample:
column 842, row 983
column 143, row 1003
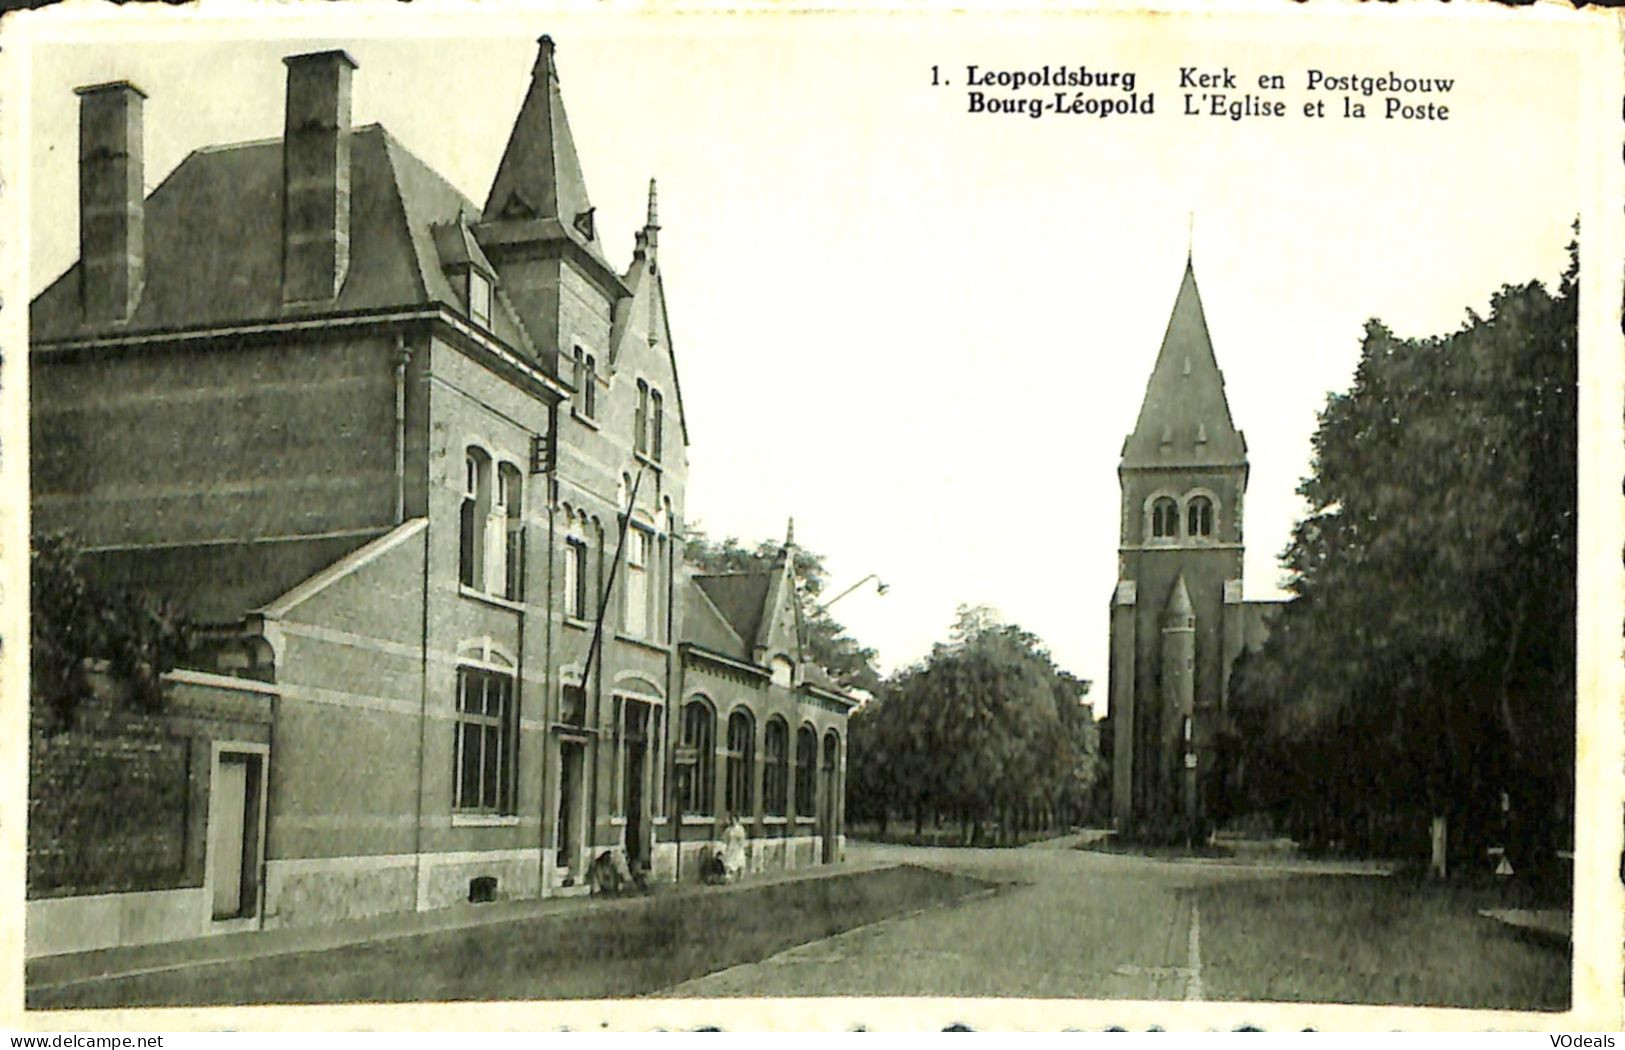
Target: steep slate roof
column 214, row 244
column 705, row 625
column 740, row 598
column 540, row 173
column 1184, row 398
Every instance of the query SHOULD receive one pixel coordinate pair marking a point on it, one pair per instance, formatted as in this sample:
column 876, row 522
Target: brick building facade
column 418, row 467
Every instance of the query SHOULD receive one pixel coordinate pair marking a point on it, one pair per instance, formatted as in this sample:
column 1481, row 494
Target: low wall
column 118, row 812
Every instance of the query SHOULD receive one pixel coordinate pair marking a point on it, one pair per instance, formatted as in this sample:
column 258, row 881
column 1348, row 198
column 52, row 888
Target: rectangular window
column 483, row 778
column 575, row 579
column 637, row 582
column 656, row 416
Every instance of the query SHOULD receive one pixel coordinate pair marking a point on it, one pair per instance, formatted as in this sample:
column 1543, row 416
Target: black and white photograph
column 1068, row 517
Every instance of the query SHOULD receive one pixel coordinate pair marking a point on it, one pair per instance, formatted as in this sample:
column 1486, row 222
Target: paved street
column 1067, row 923
column 1047, row 921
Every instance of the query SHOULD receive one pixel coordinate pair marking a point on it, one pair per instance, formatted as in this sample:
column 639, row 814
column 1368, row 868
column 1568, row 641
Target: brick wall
column 119, row 802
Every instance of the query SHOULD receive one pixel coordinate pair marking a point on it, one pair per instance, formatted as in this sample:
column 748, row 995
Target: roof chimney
column 112, row 200
column 316, row 176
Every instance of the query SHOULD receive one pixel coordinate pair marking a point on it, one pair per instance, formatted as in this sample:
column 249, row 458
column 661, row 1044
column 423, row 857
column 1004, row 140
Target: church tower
column 1177, row 618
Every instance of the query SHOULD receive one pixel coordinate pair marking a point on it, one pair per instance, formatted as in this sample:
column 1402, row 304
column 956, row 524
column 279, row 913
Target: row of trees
column 1426, row 669
column 986, row 732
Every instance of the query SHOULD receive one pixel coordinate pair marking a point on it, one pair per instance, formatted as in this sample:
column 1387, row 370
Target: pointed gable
column 761, row 607
column 1185, row 418
column 540, row 174
column 779, row 628
column 640, row 324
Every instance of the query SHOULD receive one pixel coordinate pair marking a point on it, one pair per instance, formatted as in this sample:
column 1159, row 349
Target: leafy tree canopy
column 72, row 621
column 1428, row 661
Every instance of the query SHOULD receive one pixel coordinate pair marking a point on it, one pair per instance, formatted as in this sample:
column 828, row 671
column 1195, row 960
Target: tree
column 73, row 621
column 828, row 645
column 986, row 728
column 1427, row 664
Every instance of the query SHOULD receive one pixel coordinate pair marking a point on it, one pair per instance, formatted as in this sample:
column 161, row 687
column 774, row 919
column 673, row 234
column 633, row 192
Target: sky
column 923, row 332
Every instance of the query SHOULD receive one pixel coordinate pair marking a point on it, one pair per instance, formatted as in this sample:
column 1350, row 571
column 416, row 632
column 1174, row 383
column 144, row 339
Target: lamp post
column 880, row 588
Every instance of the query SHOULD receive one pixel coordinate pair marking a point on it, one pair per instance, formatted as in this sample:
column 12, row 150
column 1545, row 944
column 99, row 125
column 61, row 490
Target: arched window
column 806, row 770
column 575, row 577
column 640, row 423
column 741, row 761
column 776, row 773
column 586, row 383
column 475, row 510
column 699, row 733
column 507, row 534
column 1164, row 519
column 832, row 751
column 656, row 421
column 1199, row 516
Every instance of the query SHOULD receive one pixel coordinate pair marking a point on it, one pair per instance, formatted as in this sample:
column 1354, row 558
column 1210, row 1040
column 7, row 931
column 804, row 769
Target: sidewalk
column 56, row 971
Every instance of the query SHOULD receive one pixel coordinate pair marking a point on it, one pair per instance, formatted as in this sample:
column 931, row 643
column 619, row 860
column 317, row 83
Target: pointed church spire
column 1185, row 417
column 540, row 174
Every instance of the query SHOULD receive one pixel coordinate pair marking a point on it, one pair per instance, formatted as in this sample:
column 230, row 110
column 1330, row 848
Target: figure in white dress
column 733, row 849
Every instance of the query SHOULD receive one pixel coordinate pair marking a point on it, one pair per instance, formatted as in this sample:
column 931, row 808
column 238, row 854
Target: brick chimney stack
column 316, row 176
column 112, row 200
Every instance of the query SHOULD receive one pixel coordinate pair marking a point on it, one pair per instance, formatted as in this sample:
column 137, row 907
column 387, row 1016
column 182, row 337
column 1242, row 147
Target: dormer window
column 479, row 298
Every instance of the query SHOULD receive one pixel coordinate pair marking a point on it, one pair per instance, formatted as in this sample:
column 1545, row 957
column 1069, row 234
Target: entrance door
column 234, row 835
column 571, row 764
column 637, row 749
column 832, row 800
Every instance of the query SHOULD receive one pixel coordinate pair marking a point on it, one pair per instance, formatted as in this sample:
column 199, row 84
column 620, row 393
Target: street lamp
column 880, row 588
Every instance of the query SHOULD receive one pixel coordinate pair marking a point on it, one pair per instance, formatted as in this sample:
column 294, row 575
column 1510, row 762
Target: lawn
column 624, row 948
column 1365, row 939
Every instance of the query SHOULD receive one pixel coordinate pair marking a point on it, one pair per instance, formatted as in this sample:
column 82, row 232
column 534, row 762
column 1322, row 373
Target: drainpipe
column 402, row 357
column 423, row 637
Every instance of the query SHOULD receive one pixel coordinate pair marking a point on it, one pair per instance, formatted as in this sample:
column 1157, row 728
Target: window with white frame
column 640, row 421
column 507, row 535
column 656, row 425
column 474, row 512
column 485, row 742
column 586, row 383
column 575, row 577
column 490, row 526
column 638, row 544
